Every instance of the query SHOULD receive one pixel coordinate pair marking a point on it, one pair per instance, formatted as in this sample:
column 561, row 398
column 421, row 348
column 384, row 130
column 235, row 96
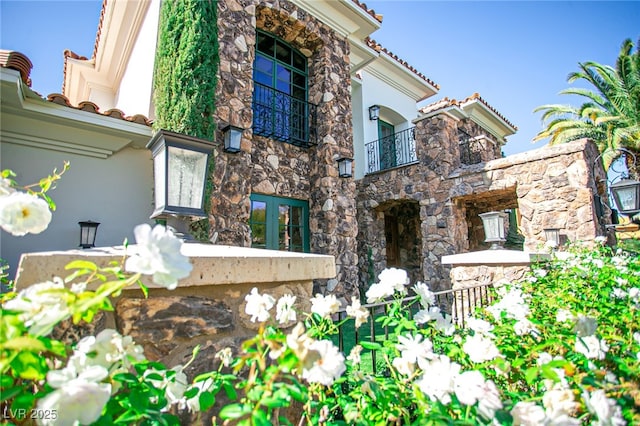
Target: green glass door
column 388, row 155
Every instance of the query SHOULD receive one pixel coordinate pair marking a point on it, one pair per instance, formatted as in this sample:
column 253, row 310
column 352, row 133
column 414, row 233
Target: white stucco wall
column 358, row 128
column 135, row 91
column 117, row 192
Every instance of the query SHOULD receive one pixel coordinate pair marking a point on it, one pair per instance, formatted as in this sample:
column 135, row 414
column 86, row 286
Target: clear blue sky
column 516, row 54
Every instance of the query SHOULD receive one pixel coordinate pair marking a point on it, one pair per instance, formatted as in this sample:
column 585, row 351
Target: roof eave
column 488, row 119
column 343, row 16
column 121, row 23
column 29, row 120
column 401, row 78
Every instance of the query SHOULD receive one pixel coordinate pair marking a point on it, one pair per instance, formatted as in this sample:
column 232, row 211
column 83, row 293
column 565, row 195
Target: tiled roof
column 379, row 48
column 20, row 62
column 371, row 12
column 17, row 61
column 446, row 103
column 89, row 106
column 372, row 43
column 69, row 54
column 99, row 31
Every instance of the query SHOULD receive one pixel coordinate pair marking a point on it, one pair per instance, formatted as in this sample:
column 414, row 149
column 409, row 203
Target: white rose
column 328, row 363
column 258, row 305
column 325, row 306
column 158, row 254
column 22, row 213
column 527, row 413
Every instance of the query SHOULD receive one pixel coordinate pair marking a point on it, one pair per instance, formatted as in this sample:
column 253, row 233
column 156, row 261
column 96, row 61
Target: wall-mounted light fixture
column 374, row 112
column 626, row 193
column 552, row 236
column 493, row 224
column 232, row 138
column 345, row 167
column 624, row 190
column 88, row 230
column 180, row 174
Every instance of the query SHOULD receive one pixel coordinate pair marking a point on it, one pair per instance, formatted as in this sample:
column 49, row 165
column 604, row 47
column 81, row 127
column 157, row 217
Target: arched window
column 280, row 107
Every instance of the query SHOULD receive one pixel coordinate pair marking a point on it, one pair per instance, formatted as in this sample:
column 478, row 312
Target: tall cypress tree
column 185, row 77
column 186, row 67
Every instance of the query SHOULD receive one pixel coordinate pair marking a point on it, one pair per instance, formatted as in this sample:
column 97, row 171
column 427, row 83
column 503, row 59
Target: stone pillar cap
column 494, row 257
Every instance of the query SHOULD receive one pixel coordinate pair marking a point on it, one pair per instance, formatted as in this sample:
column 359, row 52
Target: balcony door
column 388, row 152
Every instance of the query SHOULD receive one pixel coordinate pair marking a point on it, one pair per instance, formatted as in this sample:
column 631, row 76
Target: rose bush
column 561, row 347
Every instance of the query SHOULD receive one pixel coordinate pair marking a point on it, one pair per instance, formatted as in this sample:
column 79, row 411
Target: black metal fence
column 391, row 151
column 459, row 303
column 470, row 149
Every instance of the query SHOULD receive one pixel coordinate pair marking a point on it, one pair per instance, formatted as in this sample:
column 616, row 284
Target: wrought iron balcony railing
column 391, row 151
column 280, row 116
column 470, row 149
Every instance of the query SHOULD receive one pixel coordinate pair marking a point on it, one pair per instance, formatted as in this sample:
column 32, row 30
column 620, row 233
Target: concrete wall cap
column 212, row 265
column 494, row 257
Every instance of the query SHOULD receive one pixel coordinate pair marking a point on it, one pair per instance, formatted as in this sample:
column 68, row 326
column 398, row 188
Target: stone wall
column 276, row 168
column 437, row 235
column 471, row 272
column 206, row 309
column 551, row 187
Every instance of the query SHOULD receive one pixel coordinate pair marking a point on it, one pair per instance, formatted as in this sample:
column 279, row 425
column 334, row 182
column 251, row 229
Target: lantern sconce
column 493, row 224
column 626, row 193
column 180, row 167
column 232, row 138
column 374, row 112
column 88, row 230
column 552, row 237
column 345, row 167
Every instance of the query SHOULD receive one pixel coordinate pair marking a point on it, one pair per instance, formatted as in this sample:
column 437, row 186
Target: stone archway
column 402, row 236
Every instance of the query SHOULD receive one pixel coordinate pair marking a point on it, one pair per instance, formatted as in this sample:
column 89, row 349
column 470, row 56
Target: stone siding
column 496, row 275
column 551, row 187
column 207, row 309
column 270, row 167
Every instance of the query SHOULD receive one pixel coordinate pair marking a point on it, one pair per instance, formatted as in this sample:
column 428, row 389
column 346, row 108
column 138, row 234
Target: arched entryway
column 402, row 236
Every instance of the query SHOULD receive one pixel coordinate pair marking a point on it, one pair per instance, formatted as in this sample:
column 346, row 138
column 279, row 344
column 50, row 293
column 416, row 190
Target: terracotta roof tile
column 21, row 63
column 140, row 119
column 89, row 106
column 476, row 96
column 371, row 12
column 438, row 105
column 59, row 99
column 116, row 113
column 69, row 54
column 17, row 61
column 446, row 103
column 379, row 48
column 99, row 31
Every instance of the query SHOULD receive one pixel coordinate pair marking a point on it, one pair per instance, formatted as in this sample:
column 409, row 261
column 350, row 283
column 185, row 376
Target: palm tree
column 611, row 114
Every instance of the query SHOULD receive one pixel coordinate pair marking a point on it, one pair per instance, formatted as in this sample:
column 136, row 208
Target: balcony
column 470, row 148
column 280, row 116
column 391, row 151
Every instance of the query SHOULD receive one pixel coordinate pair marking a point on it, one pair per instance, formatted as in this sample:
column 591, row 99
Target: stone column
column 332, row 202
column 230, row 205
